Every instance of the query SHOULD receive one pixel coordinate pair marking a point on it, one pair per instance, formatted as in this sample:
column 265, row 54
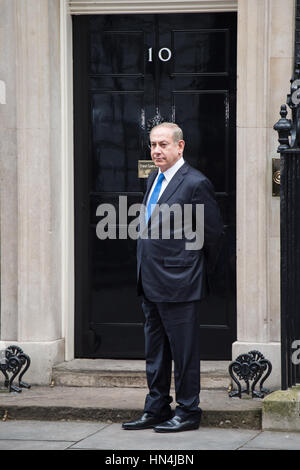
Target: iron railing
column 289, row 149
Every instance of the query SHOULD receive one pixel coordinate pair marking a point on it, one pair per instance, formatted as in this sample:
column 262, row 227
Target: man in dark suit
column 172, row 279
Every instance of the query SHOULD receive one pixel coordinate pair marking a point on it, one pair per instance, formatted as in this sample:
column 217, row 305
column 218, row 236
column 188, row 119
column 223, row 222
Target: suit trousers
column 172, row 332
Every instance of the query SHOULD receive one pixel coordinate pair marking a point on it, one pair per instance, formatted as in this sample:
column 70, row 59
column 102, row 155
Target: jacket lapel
column 174, row 183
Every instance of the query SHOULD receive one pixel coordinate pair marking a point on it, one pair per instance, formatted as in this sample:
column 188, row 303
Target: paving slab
column 274, row 440
column 33, row 445
column 112, row 440
column 48, row 430
column 44, row 435
column 113, row 437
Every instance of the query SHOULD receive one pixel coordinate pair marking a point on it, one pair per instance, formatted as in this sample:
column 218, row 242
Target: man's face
column 164, row 151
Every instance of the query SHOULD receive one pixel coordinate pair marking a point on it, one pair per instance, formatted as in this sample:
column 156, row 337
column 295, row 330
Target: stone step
column 128, row 373
column 121, row 404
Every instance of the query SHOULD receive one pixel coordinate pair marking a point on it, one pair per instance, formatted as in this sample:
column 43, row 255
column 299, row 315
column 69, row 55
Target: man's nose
column 156, row 149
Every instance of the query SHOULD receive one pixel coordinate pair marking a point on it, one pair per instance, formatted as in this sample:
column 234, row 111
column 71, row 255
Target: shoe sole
column 138, row 428
column 189, row 428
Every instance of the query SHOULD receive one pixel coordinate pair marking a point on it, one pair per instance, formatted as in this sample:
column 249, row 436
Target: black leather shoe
column 177, row 424
column 147, row 421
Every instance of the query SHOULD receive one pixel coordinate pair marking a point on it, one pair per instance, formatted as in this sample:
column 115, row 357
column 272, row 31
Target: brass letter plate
column 145, row 167
column 276, row 177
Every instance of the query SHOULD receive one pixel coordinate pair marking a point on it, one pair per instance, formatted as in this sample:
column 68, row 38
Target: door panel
column 127, row 56
column 206, row 51
column 129, row 69
column 116, row 140
column 203, row 128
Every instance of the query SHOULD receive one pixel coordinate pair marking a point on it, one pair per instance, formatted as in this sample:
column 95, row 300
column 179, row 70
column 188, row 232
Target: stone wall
column 31, row 180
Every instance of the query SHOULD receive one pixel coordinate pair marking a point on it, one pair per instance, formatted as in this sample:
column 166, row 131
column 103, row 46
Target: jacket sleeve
column 213, row 223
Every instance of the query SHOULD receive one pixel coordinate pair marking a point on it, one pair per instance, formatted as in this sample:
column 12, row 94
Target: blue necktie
column 154, row 196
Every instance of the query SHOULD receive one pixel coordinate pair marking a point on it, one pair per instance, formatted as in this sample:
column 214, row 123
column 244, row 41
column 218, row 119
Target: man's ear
column 181, row 144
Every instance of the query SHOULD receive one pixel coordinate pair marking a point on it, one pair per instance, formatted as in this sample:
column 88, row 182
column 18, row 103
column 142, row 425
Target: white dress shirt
column 168, row 175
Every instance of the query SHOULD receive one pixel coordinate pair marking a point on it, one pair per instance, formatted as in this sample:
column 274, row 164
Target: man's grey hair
column 177, row 131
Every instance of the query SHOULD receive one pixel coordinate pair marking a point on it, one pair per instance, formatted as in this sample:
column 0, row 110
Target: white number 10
column 160, row 54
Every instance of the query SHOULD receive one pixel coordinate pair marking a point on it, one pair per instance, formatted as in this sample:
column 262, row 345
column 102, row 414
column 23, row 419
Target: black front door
column 128, row 71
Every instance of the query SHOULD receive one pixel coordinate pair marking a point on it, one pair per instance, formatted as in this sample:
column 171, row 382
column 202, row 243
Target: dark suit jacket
column 169, row 272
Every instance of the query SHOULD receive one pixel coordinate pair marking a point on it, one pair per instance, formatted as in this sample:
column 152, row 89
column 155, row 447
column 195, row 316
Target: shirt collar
column 170, row 172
